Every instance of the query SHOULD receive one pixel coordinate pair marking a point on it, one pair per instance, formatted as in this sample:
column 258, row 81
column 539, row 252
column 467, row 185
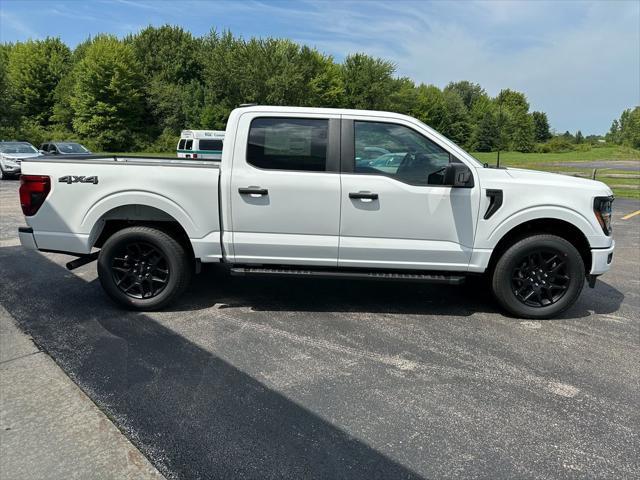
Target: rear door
column 285, row 189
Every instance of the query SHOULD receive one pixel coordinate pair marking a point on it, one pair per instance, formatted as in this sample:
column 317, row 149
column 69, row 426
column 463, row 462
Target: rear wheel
column 538, row 277
column 143, row 268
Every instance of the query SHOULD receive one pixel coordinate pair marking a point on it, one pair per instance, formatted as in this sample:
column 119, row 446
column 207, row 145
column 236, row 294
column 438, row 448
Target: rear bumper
column 26, row 238
column 601, row 259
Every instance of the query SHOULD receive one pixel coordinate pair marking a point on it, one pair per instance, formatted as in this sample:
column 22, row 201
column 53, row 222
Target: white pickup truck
column 298, row 193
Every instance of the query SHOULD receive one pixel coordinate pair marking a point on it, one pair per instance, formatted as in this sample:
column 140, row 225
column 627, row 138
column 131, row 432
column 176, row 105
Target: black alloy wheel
column 541, row 278
column 140, row 270
column 538, row 276
column 144, row 268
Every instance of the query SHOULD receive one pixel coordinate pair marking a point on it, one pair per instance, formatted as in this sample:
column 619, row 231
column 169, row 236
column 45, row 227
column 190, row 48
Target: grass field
column 622, row 187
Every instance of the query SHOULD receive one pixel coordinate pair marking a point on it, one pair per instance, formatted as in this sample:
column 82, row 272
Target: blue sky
column 577, row 61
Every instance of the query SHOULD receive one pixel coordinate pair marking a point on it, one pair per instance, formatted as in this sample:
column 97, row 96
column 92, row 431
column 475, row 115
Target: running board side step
column 449, row 279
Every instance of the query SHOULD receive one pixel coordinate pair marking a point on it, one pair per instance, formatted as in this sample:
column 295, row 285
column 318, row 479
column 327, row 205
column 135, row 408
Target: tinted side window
column 188, row 144
column 181, row 144
column 410, row 157
column 215, row 145
column 288, row 144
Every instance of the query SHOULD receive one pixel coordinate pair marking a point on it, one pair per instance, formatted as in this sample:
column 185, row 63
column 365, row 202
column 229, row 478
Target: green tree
column 626, row 131
column 614, row 133
column 486, row 135
column 457, row 124
column 108, row 98
column 542, row 132
column 430, row 106
column 469, row 92
column 34, row 69
column 368, row 81
column 7, row 113
column 579, row 138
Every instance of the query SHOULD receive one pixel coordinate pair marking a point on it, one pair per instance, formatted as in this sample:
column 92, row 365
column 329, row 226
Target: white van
column 202, row 144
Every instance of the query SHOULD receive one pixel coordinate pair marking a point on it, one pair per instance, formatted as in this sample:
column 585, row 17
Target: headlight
column 602, row 209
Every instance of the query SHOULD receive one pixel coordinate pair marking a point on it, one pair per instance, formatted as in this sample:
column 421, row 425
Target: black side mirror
column 458, row 175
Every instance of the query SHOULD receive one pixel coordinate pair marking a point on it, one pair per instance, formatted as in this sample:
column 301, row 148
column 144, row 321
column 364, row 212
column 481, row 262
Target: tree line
column 626, row 130
column 138, row 92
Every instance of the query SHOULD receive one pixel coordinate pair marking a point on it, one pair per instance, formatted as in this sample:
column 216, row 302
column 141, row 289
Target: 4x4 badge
column 78, row 179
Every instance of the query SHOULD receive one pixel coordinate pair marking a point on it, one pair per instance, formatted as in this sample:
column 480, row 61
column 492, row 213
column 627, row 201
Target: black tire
column 538, row 277
column 143, row 268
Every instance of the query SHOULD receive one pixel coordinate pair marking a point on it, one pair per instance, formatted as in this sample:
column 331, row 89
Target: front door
column 285, row 190
column 396, row 212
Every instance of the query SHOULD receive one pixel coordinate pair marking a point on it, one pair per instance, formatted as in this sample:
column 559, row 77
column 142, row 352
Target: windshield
column 71, row 148
column 17, row 148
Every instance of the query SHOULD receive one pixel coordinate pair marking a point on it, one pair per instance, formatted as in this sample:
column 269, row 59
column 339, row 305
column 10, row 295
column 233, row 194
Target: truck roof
column 326, row 111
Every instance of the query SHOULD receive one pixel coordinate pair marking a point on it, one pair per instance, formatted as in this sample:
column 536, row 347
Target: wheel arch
column 123, row 216
column 553, row 226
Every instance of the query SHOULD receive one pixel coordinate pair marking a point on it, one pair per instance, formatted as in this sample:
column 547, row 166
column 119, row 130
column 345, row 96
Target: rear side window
column 181, row 144
column 213, row 145
column 288, row 144
column 188, row 144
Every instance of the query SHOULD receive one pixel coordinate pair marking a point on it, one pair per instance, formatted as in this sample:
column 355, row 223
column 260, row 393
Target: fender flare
column 91, row 220
column 542, row 212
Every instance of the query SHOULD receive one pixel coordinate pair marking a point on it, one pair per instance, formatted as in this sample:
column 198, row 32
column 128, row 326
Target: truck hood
column 536, row 176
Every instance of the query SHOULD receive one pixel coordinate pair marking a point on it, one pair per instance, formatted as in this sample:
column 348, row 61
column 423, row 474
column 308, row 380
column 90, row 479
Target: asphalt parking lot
column 264, row 378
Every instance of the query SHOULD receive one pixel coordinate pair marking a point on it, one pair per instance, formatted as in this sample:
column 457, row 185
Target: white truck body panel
column 308, row 218
column 73, row 215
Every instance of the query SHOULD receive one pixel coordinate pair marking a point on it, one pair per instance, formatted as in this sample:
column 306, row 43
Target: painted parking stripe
column 632, row 214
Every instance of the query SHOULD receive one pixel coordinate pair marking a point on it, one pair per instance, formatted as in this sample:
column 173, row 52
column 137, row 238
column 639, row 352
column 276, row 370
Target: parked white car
column 201, row 144
column 289, row 198
column 11, row 156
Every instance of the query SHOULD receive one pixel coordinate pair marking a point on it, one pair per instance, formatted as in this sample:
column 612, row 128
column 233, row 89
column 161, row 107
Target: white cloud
column 578, row 61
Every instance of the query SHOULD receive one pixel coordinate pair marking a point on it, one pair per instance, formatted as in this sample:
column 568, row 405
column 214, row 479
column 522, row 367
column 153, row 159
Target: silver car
column 11, row 156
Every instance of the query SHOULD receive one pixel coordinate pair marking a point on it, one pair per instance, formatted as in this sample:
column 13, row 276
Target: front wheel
column 538, row 277
column 143, row 268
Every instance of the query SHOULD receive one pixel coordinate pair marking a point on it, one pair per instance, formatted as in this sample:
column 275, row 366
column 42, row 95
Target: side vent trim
column 495, row 202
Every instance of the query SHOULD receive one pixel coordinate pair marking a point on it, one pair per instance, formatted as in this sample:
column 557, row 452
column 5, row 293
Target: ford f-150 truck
column 296, row 193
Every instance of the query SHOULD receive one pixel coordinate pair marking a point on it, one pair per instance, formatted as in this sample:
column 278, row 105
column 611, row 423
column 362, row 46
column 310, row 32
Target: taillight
column 195, row 155
column 33, row 190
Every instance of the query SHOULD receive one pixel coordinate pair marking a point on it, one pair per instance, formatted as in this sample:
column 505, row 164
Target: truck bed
column 88, row 191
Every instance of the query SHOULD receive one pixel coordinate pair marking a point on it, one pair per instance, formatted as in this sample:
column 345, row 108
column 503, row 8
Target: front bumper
column 11, row 169
column 601, row 259
column 26, row 238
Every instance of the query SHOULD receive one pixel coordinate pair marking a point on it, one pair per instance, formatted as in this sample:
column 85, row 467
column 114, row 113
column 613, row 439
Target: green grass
column 545, row 161
column 517, row 159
